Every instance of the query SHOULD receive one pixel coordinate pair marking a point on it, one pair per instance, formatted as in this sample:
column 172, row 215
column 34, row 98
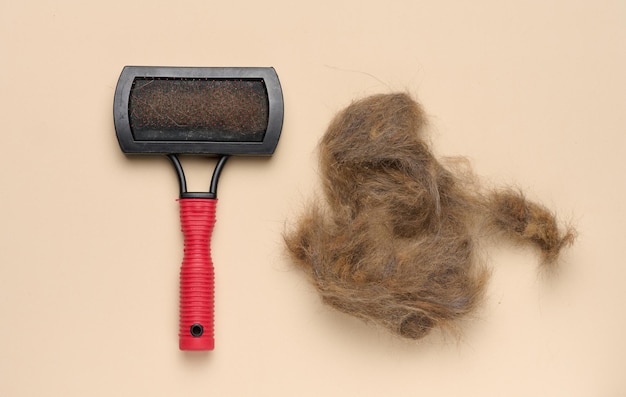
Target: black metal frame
column 129, row 144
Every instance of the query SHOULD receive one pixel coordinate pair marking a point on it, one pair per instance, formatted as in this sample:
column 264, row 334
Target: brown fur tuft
column 396, row 243
column 529, row 222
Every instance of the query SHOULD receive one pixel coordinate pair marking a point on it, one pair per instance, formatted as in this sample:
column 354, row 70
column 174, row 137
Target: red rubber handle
column 196, row 332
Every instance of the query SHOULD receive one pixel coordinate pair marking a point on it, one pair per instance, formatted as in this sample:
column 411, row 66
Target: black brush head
column 222, row 111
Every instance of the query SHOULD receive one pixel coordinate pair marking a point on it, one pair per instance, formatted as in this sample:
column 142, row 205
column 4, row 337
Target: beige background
column 533, row 92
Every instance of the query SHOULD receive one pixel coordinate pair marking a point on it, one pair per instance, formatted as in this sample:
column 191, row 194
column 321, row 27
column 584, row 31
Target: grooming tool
column 200, row 111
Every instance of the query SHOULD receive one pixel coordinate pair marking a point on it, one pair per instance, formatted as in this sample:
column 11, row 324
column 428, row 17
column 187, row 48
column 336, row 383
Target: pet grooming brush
column 203, row 111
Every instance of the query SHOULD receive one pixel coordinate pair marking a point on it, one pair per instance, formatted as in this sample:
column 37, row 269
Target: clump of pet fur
column 395, row 242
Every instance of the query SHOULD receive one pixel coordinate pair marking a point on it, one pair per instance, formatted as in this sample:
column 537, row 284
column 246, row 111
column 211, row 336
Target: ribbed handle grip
column 197, row 217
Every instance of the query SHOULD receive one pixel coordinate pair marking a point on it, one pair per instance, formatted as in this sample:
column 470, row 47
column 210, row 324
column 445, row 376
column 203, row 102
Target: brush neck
column 212, row 193
column 198, row 195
